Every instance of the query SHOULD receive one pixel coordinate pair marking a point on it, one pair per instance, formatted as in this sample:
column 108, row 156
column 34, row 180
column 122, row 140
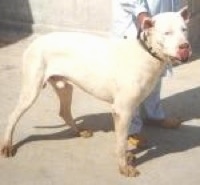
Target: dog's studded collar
column 143, row 41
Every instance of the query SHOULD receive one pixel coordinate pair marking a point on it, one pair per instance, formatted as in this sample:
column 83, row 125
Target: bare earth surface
column 49, row 154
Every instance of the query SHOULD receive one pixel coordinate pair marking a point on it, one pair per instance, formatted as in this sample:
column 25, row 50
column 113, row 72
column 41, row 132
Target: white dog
column 120, row 71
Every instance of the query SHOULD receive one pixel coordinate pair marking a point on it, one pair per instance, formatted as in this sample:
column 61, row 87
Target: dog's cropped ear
column 147, row 23
column 184, row 12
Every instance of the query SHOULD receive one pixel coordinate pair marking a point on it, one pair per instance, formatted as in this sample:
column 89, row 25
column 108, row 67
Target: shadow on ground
column 162, row 141
column 185, row 105
column 96, row 122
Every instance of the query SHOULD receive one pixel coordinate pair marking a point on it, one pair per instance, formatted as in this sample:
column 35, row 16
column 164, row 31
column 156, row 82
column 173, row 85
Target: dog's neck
column 145, row 41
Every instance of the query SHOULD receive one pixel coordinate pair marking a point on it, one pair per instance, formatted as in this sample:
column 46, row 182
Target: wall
column 92, row 15
column 194, row 31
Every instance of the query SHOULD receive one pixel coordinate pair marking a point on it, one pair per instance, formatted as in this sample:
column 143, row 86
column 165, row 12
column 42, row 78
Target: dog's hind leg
column 32, row 82
column 27, row 98
column 64, row 92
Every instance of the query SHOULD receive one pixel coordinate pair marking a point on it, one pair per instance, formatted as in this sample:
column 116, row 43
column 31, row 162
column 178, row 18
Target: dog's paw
column 129, row 171
column 6, row 151
column 85, row 133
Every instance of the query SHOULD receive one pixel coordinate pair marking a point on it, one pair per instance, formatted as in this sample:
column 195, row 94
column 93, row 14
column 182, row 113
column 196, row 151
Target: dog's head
column 166, row 35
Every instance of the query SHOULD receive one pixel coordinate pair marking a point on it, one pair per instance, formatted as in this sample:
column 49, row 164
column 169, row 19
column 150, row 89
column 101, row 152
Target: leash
column 168, row 72
column 145, row 46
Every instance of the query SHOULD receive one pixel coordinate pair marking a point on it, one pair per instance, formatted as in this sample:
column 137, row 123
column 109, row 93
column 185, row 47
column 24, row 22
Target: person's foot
column 169, row 123
column 137, row 140
column 141, row 142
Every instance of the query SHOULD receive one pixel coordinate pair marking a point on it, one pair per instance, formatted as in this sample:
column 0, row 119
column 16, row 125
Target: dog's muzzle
column 184, row 52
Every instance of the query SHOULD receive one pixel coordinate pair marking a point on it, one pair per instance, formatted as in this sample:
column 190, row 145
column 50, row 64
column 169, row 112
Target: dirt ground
column 47, row 153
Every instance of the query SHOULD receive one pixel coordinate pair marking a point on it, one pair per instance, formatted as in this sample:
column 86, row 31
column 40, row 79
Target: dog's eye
column 168, row 33
column 184, row 29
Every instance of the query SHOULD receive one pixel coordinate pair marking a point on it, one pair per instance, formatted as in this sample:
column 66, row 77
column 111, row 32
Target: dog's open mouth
column 182, row 56
column 177, row 60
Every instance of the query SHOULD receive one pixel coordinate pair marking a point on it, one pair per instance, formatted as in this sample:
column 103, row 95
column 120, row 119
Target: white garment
column 124, row 18
column 126, row 11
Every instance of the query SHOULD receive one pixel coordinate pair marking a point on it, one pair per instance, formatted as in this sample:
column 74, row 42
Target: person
column 127, row 18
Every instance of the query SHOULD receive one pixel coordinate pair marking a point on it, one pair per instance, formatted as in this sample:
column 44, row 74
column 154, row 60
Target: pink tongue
column 184, row 53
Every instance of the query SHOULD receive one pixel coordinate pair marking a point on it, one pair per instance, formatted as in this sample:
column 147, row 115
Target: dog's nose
column 184, row 46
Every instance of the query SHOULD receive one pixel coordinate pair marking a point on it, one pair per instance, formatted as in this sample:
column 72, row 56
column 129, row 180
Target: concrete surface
column 49, row 154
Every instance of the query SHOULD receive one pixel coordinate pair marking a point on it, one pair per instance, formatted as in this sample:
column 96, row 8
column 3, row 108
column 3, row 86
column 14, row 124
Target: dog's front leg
column 122, row 118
